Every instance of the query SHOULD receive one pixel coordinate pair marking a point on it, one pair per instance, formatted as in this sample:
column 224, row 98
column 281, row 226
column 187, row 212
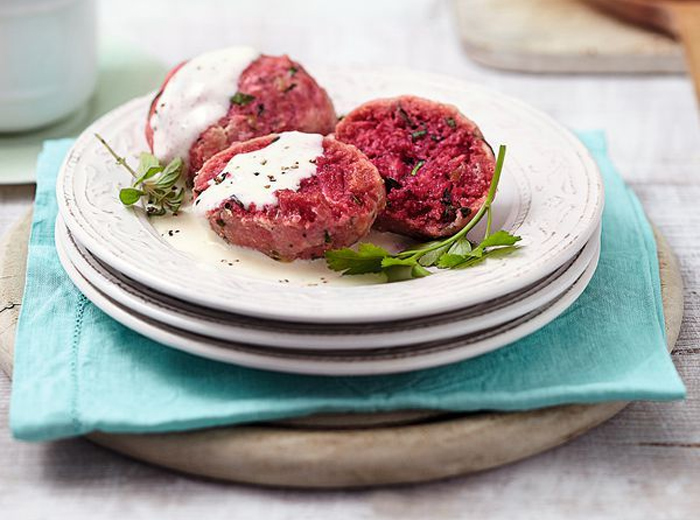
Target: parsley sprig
column 455, row 252
column 156, row 183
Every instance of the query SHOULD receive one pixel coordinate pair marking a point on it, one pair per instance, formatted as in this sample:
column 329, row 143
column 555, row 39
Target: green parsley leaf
column 419, row 271
column 398, row 273
column 431, row 257
column 491, row 253
column 455, row 252
column 389, row 261
column 461, row 247
column 367, row 259
column 368, row 249
column 448, row 261
column 499, row 238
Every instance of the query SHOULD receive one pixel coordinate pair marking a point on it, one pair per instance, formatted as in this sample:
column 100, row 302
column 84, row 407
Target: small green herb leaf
column 448, row 261
column 155, row 183
column 431, row 257
column 171, row 173
column 418, row 134
column 367, row 259
column 500, row 238
column 420, row 272
column 367, row 249
column 151, row 172
column 241, row 99
column 176, row 200
column 461, row 247
column 491, row 253
column 130, row 196
column 455, row 252
column 389, row 261
column 417, row 167
column 398, row 273
column 148, row 163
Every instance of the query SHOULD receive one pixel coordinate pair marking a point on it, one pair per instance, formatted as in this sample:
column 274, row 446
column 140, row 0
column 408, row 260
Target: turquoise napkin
column 77, row 370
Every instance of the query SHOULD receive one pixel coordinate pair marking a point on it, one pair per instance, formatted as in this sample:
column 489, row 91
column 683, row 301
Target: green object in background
column 125, row 72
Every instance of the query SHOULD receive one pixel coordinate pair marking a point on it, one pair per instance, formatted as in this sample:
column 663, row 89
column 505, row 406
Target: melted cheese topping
column 256, row 177
column 196, row 97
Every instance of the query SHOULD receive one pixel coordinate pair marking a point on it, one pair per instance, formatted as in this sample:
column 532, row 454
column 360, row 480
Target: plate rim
column 133, row 298
column 315, row 365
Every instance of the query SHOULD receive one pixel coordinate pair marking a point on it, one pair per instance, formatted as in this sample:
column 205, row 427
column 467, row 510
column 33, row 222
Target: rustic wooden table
column 645, row 463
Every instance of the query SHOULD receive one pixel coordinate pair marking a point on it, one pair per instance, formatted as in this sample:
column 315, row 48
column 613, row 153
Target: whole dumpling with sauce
column 231, row 95
column 290, row 195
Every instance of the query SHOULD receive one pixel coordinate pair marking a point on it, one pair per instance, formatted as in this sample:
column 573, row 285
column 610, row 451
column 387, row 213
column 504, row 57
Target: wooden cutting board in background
column 560, row 36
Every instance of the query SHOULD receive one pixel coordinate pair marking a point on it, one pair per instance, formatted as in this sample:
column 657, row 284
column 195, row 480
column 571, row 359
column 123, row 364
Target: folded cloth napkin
column 77, row 370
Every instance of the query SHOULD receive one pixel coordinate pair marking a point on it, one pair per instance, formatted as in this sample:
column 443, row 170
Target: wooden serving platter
column 560, row 36
column 343, row 451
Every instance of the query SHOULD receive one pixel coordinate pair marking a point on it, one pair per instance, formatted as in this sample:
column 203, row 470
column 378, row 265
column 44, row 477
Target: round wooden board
column 336, row 451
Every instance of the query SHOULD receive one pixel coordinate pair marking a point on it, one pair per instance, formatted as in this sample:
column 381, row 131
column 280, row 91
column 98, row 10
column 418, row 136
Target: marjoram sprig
column 158, row 185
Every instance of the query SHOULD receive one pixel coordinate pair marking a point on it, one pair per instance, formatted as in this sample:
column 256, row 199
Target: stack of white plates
column 318, row 322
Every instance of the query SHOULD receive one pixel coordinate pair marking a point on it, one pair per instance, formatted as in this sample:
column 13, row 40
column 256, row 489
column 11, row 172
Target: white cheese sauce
column 196, row 96
column 190, row 233
column 256, row 177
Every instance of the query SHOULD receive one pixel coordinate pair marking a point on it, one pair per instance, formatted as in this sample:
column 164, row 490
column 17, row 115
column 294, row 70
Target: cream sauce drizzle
column 190, row 233
column 197, row 95
column 255, row 177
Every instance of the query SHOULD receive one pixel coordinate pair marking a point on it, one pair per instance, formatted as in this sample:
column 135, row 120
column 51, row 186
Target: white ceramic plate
column 340, row 363
column 232, row 327
column 555, row 205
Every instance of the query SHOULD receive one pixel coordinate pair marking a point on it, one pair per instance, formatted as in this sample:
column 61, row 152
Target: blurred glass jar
column 48, row 60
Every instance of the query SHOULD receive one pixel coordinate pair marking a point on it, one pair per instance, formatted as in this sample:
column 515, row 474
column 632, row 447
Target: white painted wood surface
column 645, row 463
